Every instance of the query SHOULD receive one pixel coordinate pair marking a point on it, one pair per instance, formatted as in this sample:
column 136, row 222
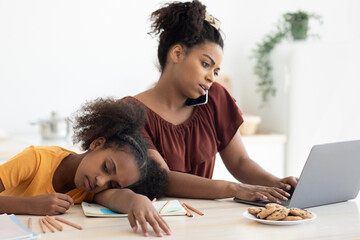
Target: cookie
column 275, row 205
column 300, row 212
column 279, row 214
column 266, row 212
column 292, row 218
column 255, row 210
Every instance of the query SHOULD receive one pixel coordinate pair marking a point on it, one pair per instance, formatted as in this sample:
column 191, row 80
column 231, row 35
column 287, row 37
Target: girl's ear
column 97, row 143
column 176, row 53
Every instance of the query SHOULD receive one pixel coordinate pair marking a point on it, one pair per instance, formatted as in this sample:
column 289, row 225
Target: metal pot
column 54, row 127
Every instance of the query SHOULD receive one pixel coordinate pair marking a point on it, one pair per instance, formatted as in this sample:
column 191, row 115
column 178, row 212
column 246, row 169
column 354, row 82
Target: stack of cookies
column 276, row 212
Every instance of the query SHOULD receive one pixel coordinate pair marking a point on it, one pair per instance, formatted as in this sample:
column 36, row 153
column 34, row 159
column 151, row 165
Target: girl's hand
column 49, row 204
column 255, row 192
column 143, row 211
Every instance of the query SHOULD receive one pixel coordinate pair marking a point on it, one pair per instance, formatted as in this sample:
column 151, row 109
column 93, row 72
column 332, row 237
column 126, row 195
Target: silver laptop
column 331, row 174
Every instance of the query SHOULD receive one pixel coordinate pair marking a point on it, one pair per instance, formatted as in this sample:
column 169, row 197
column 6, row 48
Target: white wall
column 54, row 55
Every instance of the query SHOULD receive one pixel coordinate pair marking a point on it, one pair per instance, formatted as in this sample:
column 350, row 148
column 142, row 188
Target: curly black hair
column 182, row 23
column 120, row 123
column 155, row 182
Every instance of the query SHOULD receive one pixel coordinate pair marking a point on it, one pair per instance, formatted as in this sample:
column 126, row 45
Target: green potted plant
column 293, row 26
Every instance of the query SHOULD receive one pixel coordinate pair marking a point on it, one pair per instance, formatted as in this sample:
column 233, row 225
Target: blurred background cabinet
column 268, row 150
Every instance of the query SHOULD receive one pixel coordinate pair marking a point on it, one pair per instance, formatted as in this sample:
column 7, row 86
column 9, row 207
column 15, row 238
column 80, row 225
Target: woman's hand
column 255, row 192
column 49, row 204
column 287, row 183
column 142, row 210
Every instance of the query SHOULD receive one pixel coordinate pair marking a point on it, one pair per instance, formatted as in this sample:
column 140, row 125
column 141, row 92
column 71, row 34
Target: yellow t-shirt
column 30, row 173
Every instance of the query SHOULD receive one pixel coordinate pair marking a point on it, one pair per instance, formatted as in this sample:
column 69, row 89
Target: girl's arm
column 138, row 207
column 47, row 204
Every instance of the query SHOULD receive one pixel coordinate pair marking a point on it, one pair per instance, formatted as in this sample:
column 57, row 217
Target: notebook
column 173, row 208
column 330, row 175
column 12, row 228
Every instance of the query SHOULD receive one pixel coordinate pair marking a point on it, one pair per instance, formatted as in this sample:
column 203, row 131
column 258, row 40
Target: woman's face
column 197, row 69
column 102, row 169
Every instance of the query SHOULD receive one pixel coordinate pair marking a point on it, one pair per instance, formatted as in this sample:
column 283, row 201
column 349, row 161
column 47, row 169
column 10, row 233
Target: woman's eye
column 205, row 64
column 216, row 74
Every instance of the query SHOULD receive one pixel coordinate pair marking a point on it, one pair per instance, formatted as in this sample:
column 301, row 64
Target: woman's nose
column 211, row 77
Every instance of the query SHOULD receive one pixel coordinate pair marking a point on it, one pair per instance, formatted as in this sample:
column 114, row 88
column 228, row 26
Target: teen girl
column 48, row 180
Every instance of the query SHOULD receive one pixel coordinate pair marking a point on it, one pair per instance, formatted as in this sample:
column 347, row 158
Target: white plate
column 282, row 223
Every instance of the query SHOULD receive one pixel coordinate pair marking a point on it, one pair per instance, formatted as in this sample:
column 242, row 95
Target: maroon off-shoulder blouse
column 191, row 147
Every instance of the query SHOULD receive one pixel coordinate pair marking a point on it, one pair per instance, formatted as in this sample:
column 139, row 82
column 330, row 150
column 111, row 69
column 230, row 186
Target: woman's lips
column 202, row 90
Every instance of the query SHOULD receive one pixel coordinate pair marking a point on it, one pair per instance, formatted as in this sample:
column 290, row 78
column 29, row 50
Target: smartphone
column 197, row 101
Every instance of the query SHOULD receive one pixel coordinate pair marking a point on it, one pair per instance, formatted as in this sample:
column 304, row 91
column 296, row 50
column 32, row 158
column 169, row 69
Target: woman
column 185, row 138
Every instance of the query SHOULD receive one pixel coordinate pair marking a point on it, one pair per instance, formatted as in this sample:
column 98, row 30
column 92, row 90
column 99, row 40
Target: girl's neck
column 63, row 180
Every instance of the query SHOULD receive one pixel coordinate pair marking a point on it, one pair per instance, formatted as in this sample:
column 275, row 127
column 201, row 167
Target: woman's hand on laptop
column 288, row 183
column 255, row 192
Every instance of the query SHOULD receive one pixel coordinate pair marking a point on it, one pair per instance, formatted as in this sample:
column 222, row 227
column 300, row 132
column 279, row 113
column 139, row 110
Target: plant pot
column 299, row 29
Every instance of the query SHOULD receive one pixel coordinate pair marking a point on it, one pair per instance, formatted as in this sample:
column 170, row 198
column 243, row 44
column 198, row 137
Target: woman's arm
column 191, row 186
column 138, row 207
column 47, row 204
column 244, row 169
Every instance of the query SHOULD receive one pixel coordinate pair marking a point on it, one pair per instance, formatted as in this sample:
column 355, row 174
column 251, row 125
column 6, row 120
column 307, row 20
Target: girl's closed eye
column 106, row 168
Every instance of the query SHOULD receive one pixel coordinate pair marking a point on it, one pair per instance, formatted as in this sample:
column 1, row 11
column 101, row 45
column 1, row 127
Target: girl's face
column 102, row 169
column 197, row 69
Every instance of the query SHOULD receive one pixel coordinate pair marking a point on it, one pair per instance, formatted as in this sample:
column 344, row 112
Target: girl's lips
column 88, row 184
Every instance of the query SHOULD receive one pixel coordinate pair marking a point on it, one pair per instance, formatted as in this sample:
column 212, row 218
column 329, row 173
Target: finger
column 64, row 204
column 67, row 198
column 279, row 193
column 154, row 224
column 163, row 225
column 143, row 225
column 132, row 221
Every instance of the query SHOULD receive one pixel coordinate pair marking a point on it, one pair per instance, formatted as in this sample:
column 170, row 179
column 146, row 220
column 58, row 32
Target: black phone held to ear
column 197, row 101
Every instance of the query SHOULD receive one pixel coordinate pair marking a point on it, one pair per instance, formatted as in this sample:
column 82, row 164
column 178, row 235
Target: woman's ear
column 176, row 53
column 97, row 143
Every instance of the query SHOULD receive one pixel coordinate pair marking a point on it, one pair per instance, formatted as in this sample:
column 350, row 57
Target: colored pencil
column 30, row 223
column 68, row 223
column 193, row 209
column 154, row 200
column 188, row 213
column 54, row 223
column 163, row 207
column 42, row 225
column 48, row 225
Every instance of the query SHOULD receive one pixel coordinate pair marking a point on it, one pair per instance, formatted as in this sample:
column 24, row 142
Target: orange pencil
column 188, row 213
column 48, row 225
column 163, row 207
column 54, row 223
column 193, row 209
column 68, row 223
column 30, row 223
column 153, row 200
column 42, row 225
